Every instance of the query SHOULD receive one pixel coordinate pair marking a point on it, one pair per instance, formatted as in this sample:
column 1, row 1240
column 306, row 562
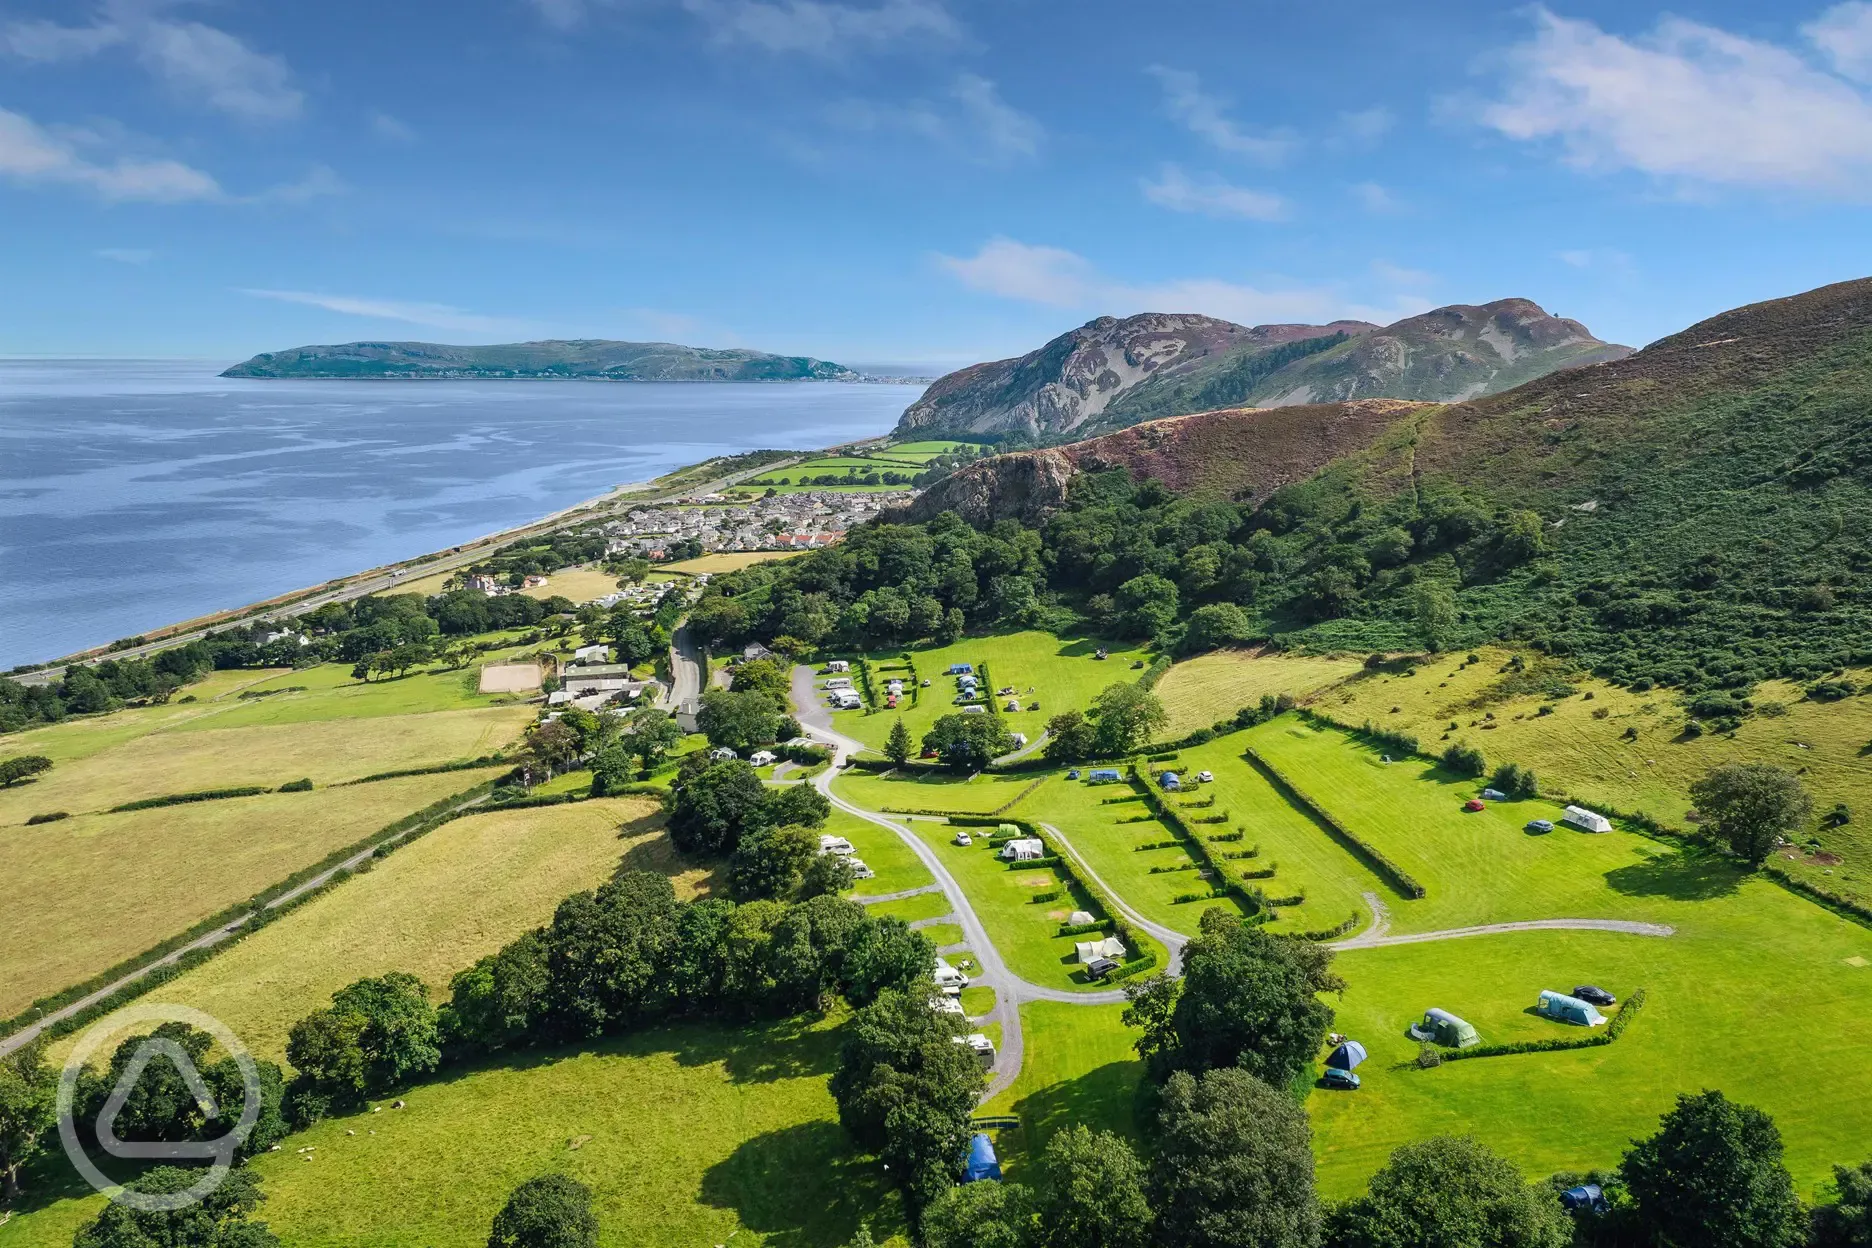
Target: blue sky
column 927, row 181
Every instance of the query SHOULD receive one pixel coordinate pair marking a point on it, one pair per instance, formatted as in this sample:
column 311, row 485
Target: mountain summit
column 597, row 359
column 1109, row 373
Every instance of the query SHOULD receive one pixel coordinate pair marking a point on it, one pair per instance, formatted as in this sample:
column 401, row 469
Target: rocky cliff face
column 1454, row 353
column 1071, row 381
column 1241, row 453
column 1109, row 374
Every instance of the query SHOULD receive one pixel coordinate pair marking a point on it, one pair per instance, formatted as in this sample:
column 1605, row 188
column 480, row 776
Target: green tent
column 1444, row 1028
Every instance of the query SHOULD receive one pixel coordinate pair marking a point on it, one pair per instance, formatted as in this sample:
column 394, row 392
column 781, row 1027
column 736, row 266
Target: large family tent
column 1586, row 820
column 1090, row 951
column 1444, row 1028
column 1346, row 1056
column 1564, row 1009
column 982, row 1162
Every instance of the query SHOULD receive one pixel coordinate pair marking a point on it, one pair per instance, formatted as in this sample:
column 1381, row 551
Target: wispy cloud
column 1374, row 198
column 384, row 126
column 1060, row 278
column 1368, row 124
column 1398, row 275
column 31, row 154
column 125, row 255
column 199, row 62
column 1693, row 103
column 1212, row 197
column 1206, row 116
column 434, row 315
column 812, row 27
column 1844, row 36
column 972, row 121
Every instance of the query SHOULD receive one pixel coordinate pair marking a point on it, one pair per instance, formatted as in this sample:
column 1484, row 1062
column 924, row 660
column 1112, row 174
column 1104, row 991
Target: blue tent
column 1586, row 1196
column 1346, row 1056
column 1564, row 1009
column 982, row 1163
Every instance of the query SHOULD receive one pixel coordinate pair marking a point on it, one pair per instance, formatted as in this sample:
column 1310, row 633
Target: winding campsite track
column 1011, row 991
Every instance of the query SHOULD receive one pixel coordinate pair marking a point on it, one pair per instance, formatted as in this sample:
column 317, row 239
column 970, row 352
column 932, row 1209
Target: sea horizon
column 138, row 492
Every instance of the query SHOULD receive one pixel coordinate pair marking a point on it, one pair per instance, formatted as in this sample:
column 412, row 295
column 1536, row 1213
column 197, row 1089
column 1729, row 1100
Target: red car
column 1474, row 803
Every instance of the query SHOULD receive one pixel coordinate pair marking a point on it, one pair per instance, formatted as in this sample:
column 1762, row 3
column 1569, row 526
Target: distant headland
column 593, row 359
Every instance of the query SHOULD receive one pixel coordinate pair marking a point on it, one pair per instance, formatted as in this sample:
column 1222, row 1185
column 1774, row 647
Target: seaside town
column 723, row 522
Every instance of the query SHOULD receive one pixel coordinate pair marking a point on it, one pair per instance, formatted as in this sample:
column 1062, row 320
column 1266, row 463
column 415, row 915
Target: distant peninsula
column 593, row 359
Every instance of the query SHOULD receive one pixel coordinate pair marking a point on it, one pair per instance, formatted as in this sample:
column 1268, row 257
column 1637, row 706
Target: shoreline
column 386, row 576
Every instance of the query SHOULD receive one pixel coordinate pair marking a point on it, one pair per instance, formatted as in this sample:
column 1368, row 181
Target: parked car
column 1539, row 825
column 963, row 838
column 1593, row 995
column 1474, row 803
column 1073, row 774
column 1344, row 1080
column 1205, row 777
column 924, row 683
column 1099, row 968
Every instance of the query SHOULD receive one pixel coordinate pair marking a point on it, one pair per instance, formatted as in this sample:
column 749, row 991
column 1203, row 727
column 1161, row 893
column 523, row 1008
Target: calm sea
column 135, row 493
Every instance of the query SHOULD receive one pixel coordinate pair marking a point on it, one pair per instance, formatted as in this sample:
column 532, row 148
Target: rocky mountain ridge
column 1111, row 373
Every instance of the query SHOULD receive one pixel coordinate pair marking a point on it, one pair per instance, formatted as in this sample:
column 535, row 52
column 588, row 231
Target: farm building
column 1023, row 849
column 1586, row 820
column 1443, row 1027
column 1564, row 1009
column 1090, row 951
column 592, row 654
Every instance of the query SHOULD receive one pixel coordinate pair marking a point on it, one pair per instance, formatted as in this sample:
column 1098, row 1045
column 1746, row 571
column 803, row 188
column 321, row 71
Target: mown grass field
column 1080, row 1068
column 1025, row 931
column 431, row 908
column 87, row 892
column 687, row 1135
column 581, row 584
column 922, row 451
column 883, row 851
column 727, row 561
column 938, row 791
column 1212, row 687
column 1107, row 841
column 1061, row 674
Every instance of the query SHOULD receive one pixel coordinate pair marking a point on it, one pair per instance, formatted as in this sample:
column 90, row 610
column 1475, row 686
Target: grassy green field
column 1080, row 1068
column 934, row 791
column 687, row 1135
column 581, row 584
column 1108, row 844
column 728, row 561
column 87, row 892
column 1580, row 748
column 922, row 452
column 883, row 851
column 1214, row 686
column 1062, row 674
column 431, row 908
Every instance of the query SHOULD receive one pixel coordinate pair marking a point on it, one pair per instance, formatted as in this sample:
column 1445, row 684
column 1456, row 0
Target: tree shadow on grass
column 1111, row 1097
column 804, row 1186
column 1685, row 875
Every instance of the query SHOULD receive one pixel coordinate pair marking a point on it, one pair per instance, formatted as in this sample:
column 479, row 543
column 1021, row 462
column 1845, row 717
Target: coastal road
column 377, row 580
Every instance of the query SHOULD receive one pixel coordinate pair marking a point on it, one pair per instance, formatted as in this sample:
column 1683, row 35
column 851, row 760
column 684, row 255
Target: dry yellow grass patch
column 581, row 584
column 1214, row 686
column 127, row 767
column 431, row 908
column 728, row 561
column 87, row 892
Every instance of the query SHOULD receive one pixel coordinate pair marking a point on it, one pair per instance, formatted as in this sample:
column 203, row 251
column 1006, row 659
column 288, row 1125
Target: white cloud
column 434, row 315
column 317, row 183
column 1004, row 131
column 974, row 121
column 1212, row 197
column 1205, row 116
column 1064, row 279
column 1375, row 198
column 1844, row 36
column 824, row 29
column 1367, row 125
column 32, row 155
column 1398, row 275
column 1691, row 102
column 387, row 127
column 1578, row 258
column 195, row 60
column 125, row 255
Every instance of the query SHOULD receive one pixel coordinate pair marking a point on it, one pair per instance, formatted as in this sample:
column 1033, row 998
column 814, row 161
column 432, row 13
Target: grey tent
column 1564, row 1009
column 1346, row 1056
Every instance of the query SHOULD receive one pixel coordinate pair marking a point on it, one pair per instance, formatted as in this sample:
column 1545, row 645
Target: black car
column 1099, row 968
column 1594, row 996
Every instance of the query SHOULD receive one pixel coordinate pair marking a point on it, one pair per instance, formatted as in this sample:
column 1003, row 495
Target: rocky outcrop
column 1074, row 379
column 1024, row 486
column 1109, row 374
